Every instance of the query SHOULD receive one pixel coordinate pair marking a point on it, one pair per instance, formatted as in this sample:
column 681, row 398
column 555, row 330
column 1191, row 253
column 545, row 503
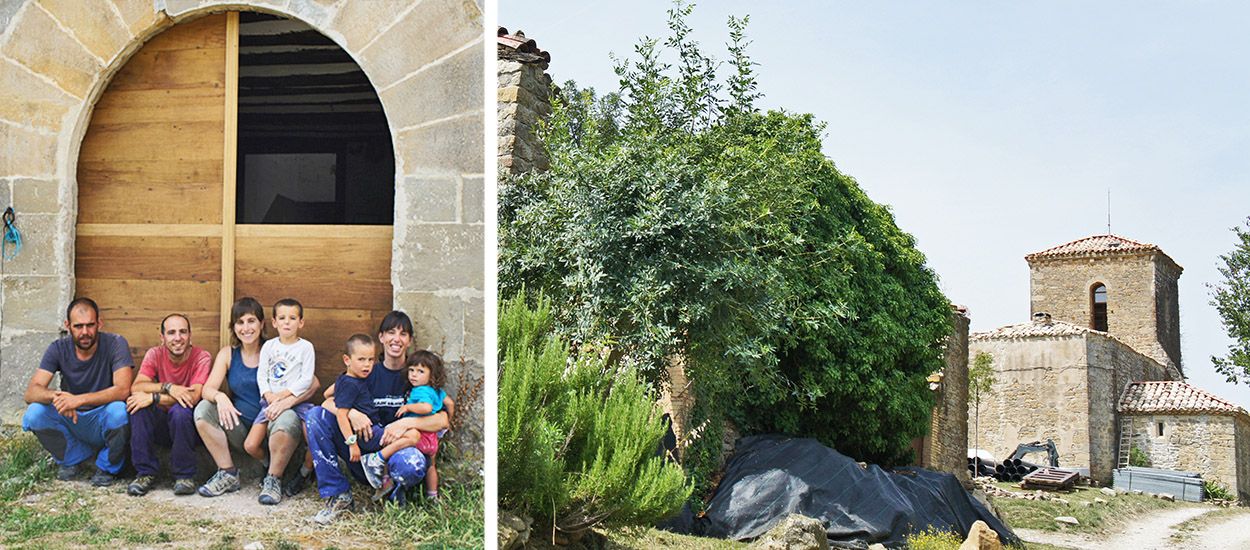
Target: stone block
column 450, row 146
column 30, row 303
column 438, row 322
column 99, row 30
column 360, row 22
column 38, row 254
column 6, row 198
column 432, row 30
column 20, row 352
column 140, row 15
column 26, row 99
column 795, row 532
column 509, row 74
column 39, row 43
column 450, row 87
column 431, row 199
column 317, row 13
column 176, row 8
column 473, row 200
column 475, row 329
column 26, row 153
column 439, row 257
column 35, row 196
column 7, row 11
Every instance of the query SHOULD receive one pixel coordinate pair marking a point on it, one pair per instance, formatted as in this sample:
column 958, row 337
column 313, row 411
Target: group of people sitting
column 383, row 416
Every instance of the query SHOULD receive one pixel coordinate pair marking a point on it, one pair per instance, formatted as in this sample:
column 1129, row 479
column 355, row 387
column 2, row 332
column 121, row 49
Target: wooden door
column 156, row 227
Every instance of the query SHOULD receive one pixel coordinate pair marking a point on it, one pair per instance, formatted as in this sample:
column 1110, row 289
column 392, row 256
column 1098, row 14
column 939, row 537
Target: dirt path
column 1228, row 533
column 1148, row 532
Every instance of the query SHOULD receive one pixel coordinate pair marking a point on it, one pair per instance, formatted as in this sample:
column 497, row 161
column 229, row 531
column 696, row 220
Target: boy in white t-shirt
column 285, row 374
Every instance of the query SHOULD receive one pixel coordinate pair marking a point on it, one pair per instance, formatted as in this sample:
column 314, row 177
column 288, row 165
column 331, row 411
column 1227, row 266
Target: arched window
column 1098, row 317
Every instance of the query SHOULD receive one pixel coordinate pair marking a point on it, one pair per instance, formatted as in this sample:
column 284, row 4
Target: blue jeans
column 102, row 431
column 406, row 466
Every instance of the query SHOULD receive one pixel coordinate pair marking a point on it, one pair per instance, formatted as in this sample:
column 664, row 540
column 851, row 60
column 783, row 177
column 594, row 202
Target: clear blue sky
column 994, row 131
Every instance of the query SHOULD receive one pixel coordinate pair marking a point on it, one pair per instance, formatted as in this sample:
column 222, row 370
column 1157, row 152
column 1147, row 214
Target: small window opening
column 1159, row 429
column 1098, row 319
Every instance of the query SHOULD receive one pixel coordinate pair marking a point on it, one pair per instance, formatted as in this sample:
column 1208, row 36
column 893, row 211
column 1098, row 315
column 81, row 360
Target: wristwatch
column 165, row 388
column 156, row 399
column 351, row 440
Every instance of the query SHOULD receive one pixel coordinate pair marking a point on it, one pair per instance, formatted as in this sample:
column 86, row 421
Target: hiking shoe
column 270, row 491
column 221, row 483
column 335, row 505
column 295, row 484
column 184, row 486
column 140, row 486
column 374, row 467
column 388, row 485
column 66, row 472
column 102, row 479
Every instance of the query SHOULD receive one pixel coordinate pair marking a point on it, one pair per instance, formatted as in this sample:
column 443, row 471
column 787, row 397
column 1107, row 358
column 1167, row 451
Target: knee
column 407, row 466
column 287, row 423
column 39, row 416
column 205, row 411
column 181, row 415
column 115, row 415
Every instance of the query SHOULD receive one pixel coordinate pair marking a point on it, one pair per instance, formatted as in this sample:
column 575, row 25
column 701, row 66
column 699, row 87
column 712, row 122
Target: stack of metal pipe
column 1011, row 469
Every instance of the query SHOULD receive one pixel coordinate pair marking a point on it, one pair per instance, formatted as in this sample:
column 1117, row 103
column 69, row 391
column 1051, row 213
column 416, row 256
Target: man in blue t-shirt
column 87, row 416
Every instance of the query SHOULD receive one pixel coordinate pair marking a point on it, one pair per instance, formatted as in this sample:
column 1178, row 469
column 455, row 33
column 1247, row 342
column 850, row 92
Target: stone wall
column 1241, row 455
column 1112, row 367
column 523, row 101
column 1141, row 291
column 1195, row 443
column 424, row 59
column 1040, row 392
column 947, row 444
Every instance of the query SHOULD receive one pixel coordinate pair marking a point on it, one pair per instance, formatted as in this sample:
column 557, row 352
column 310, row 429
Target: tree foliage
column 679, row 222
column 1231, row 299
column 577, row 434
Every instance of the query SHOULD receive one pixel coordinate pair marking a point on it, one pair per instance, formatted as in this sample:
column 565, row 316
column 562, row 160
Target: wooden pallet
column 1050, row 479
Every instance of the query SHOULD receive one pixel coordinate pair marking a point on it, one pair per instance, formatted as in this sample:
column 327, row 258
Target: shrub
column 578, row 433
column 1217, row 490
column 1138, row 457
column 933, row 539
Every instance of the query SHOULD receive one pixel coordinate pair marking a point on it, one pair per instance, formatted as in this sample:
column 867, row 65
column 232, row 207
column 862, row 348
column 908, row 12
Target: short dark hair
column 357, row 340
column 396, row 319
column 184, row 318
column 241, row 307
column 288, row 302
column 82, row 301
column 432, row 361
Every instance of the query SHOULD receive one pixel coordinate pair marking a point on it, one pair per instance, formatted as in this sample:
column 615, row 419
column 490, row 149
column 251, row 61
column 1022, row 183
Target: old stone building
column 945, row 447
column 523, row 102
column 1177, row 426
column 159, row 152
column 1105, row 323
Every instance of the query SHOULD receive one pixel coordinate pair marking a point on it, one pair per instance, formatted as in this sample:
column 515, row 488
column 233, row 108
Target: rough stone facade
column 946, row 447
column 1054, row 380
column 523, row 102
column 1213, row 445
column 424, row 59
column 1142, row 307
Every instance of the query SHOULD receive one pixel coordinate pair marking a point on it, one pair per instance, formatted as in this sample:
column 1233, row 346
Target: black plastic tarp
column 771, row 477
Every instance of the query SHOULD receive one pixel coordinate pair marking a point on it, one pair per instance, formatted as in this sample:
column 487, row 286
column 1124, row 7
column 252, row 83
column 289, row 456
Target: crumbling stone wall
column 424, row 59
column 1241, row 441
column 1041, row 391
column 1112, row 367
column 524, row 101
column 1142, row 302
column 947, row 445
column 1207, row 444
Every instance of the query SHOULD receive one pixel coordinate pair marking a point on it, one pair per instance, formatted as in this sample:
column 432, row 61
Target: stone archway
column 424, row 58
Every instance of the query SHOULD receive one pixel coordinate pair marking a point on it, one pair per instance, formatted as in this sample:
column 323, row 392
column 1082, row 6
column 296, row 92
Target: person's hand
column 361, row 425
column 138, row 401
column 278, row 407
column 66, row 403
column 402, row 411
column 355, row 452
column 227, row 415
column 393, row 431
column 182, row 395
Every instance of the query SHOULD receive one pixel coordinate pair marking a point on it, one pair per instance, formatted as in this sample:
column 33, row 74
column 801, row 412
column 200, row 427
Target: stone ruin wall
column 1206, row 444
column 947, row 444
column 523, row 103
column 1241, row 456
column 1061, row 287
column 425, row 60
column 1040, row 392
column 1112, row 367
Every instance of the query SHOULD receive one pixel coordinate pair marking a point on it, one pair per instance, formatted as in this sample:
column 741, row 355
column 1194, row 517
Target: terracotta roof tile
column 1096, row 244
column 1033, row 330
column 1173, row 397
column 517, row 46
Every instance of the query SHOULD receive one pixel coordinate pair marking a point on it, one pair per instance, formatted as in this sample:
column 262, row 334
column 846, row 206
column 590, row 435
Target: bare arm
column 345, row 427
column 217, row 376
column 432, row 423
column 117, row 392
column 37, row 391
column 311, row 391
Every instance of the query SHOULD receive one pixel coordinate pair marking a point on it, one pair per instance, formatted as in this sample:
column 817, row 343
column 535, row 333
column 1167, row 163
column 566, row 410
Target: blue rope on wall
column 11, row 235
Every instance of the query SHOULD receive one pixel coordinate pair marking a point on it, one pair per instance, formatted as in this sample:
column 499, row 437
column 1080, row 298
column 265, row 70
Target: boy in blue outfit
column 352, row 392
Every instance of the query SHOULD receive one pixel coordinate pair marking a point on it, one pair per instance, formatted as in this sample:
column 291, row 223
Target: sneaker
column 387, row 485
column 140, row 486
column 66, row 472
column 270, row 490
column 295, row 484
column 374, row 467
column 334, row 506
column 184, row 486
column 221, row 483
column 102, row 478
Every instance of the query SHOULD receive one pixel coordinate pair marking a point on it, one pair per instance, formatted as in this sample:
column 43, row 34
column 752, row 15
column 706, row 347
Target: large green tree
column 1231, row 299
column 678, row 220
